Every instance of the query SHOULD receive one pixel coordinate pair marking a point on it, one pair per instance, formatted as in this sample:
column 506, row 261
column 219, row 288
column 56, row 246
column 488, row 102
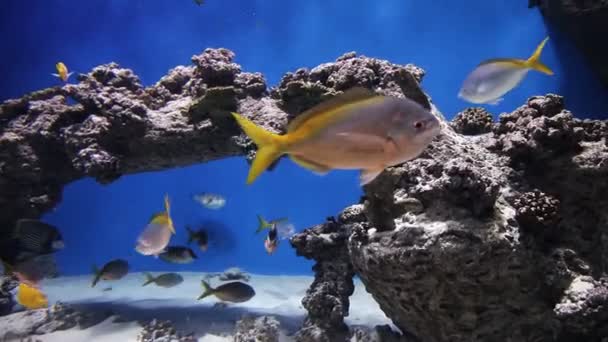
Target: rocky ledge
column 500, row 234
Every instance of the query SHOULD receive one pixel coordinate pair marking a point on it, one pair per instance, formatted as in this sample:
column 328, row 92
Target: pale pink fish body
column 154, row 239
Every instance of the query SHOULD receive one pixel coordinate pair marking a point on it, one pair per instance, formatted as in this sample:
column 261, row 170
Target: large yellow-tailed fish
column 355, row 130
column 494, row 78
column 157, row 234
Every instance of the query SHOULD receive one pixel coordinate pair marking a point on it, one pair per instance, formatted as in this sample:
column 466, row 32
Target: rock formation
column 162, row 331
column 484, row 237
column 43, row 321
column 260, row 329
column 584, row 22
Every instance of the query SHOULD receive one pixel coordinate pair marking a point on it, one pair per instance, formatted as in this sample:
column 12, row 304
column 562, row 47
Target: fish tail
column 270, row 146
column 207, row 290
column 262, row 224
column 149, row 279
column 534, row 61
column 97, row 274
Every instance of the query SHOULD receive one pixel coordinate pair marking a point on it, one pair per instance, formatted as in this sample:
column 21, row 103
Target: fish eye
column 418, row 124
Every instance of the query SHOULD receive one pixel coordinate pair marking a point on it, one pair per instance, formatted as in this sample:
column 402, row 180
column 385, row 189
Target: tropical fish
column 200, row 237
column 178, row 255
column 62, row 72
column 31, row 298
column 38, row 237
column 263, row 224
column 271, row 243
column 113, row 270
column 493, row 78
column 157, row 234
column 235, row 292
column 355, row 130
column 285, row 230
column 210, row 201
column 164, row 280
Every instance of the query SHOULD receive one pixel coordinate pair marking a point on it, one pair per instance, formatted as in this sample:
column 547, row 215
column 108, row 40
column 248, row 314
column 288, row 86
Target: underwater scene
column 320, row 170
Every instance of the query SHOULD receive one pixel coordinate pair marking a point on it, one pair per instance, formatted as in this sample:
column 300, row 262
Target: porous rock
column 260, row 329
column 108, row 124
column 472, row 121
column 44, row 321
column 326, row 299
column 466, row 264
column 7, row 302
column 162, row 331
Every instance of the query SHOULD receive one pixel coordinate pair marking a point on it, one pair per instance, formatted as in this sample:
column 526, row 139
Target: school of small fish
column 357, row 129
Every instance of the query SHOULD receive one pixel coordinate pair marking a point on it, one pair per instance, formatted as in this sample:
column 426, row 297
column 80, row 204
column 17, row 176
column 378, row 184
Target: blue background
column 446, row 38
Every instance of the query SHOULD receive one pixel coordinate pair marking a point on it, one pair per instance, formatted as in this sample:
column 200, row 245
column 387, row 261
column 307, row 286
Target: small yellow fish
column 355, row 130
column 157, row 234
column 62, row 72
column 31, row 297
column 493, row 78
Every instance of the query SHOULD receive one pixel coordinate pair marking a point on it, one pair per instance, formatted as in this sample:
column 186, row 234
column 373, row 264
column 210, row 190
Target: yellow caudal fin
column 534, row 61
column 168, row 211
column 270, row 146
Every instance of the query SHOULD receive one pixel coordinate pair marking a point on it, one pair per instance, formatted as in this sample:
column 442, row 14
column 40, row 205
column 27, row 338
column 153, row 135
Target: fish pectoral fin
column 369, row 175
column 307, row 164
column 366, row 143
column 496, row 101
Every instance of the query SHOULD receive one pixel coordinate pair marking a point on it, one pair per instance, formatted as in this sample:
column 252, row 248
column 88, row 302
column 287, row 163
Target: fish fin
column 149, row 278
column 366, row 142
column 207, row 290
column 534, row 61
column 270, row 146
column 307, row 164
column 352, row 95
column 67, row 77
column 368, row 176
column 31, row 297
column 495, row 101
column 96, row 274
column 262, row 224
column 168, row 211
column 56, row 75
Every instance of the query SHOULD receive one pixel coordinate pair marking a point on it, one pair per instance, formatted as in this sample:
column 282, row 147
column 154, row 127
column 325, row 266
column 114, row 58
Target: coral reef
column 473, row 121
column 7, row 285
column 43, row 321
column 583, row 22
column 162, row 331
column 484, row 237
column 116, row 127
column 260, row 329
column 326, row 299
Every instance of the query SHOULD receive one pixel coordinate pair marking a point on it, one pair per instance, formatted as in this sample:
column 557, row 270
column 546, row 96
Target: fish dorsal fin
column 352, row 95
column 512, row 62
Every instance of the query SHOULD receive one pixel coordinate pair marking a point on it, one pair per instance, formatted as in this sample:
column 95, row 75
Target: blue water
column 444, row 37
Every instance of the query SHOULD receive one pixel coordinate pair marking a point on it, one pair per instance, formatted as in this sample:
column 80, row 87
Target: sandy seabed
column 279, row 296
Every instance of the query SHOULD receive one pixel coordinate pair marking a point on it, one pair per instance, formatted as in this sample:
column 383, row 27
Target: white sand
column 279, row 296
